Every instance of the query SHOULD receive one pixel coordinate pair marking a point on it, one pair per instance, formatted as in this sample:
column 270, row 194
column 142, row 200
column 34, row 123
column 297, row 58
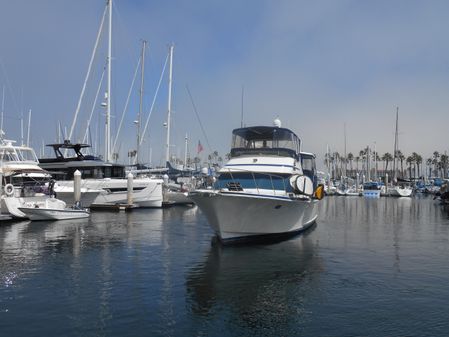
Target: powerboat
column 268, row 187
column 23, row 181
column 372, row 189
column 110, row 178
column 54, row 209
column 400, row 191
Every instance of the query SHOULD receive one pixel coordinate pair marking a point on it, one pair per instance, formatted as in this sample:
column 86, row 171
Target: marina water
column 369, row 267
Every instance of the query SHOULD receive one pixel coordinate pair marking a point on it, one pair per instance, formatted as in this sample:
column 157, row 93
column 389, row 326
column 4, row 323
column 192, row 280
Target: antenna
column 29, row 126
column 3, row 108
column 241, row 116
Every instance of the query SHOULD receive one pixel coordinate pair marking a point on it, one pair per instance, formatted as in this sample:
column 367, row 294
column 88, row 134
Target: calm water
column 368, row 268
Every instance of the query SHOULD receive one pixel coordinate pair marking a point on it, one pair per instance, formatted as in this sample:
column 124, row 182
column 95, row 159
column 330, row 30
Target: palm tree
column 436, row 156
column 409, row 162
column 387, row 157
column 444, row 160
column 357, row 159
column 350, row 158
column 418, row 160
column 429, row 166
column 401, row 158
column 362, row 156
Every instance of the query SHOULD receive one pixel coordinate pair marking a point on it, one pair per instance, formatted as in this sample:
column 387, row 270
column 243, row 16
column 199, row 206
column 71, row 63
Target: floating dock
column 113, row 207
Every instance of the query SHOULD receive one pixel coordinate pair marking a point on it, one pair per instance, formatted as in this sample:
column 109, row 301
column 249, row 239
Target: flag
column 200, row 147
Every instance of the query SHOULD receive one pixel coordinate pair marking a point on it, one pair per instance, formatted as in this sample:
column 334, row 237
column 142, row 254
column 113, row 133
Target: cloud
column 318, row 65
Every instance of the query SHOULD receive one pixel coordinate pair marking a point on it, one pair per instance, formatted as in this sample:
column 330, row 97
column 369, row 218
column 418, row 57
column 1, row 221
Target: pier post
column 130, row 189
column 357, row 182
column 386, row 183
column 77, row 186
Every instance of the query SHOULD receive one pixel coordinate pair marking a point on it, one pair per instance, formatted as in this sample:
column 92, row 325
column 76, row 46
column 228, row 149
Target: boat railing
column 235, row 181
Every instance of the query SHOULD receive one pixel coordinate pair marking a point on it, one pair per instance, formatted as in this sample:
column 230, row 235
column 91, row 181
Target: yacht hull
column 146, row 192
column 236, row 216
column 11, row 205
column 53, row 214
column 400, row 192
column 371, row 193
column 87, row 196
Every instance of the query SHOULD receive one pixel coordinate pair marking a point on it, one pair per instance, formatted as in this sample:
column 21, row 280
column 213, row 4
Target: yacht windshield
column 26, row 154
column 8, row 154
column 266, row 140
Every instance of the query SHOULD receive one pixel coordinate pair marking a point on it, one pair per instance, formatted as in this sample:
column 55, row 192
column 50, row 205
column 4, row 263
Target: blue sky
column 316, row 64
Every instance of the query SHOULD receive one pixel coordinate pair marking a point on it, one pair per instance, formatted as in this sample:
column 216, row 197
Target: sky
column 319, row 66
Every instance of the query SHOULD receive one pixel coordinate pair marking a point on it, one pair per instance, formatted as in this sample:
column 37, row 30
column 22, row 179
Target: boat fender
column 293, row 182
column 9, row 189
column 319, row 192
column 304, row 185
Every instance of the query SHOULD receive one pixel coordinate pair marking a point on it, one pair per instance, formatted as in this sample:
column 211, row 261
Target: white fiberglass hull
column 177, row 198
column 398, row 191
column 146, row 192
column 11, row 205
column 53, row 214
column 66, row 194
column 243, row 215
column 371, row 193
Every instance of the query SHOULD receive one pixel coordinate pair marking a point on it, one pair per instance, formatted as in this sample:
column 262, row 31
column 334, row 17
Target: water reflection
column 261, row 286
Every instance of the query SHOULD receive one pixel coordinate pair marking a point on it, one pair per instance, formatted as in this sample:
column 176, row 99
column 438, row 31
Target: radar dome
column 277, row 122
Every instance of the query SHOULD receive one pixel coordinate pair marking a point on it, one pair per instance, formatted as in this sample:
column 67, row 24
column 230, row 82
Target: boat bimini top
column 266, row 140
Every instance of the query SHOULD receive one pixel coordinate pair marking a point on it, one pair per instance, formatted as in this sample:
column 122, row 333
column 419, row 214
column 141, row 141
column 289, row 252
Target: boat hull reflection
column 257, row 284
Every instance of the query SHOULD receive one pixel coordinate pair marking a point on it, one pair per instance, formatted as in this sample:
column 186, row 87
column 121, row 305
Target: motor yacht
column 268, row 187
column 97, row 174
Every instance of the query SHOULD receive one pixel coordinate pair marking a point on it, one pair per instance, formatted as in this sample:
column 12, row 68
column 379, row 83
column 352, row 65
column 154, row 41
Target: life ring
column 9, row 189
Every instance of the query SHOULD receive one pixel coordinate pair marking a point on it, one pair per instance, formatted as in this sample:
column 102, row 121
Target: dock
column 113, row 207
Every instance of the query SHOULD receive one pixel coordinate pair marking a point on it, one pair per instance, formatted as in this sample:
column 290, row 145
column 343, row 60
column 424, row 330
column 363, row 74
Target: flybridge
column 265, row 140
column 67, row 145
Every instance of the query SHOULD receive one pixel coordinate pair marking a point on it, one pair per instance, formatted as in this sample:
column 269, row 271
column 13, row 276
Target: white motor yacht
column 24, row 182
column 97, row 174
column 268, row 187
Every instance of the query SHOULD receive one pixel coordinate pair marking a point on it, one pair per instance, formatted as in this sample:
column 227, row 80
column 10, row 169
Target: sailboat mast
column 241, row 116
column 139, row 116
column 185, row 151
column 346, row 160
column 3, row 109
column 29, row 127
column 395, row 146
column 107, row 154
column 170, row 75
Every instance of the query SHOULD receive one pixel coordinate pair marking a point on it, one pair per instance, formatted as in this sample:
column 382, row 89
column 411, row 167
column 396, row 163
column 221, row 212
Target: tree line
column 412, row 166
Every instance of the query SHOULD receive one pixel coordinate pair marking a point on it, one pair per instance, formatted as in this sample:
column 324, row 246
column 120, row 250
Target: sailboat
column 97, row 173
column 399, row 188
